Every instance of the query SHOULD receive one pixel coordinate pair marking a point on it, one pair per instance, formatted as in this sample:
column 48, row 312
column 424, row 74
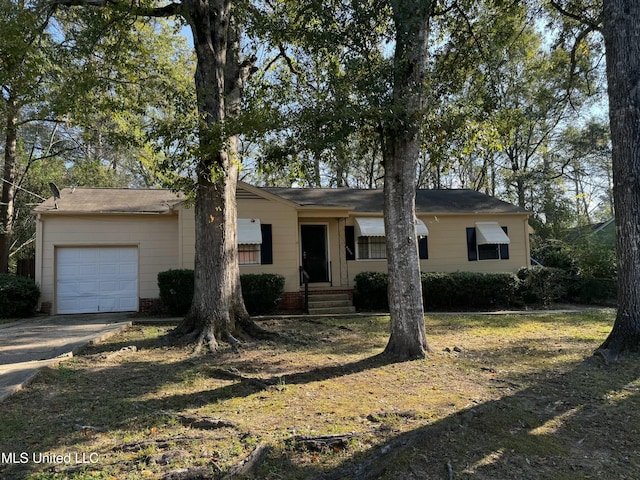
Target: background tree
column 76, row 105
column 25, row 53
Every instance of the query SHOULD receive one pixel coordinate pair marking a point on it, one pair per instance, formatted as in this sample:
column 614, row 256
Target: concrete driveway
column 28, row 345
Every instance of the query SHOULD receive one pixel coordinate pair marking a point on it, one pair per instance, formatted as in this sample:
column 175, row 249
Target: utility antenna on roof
column 56, row 194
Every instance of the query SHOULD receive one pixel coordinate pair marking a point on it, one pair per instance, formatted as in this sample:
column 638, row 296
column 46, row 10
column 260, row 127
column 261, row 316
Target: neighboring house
column 603, row 233
column 100, row 250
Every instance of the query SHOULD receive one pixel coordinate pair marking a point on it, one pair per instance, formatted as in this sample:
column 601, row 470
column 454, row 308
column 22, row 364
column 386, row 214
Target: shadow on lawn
column 581, row 424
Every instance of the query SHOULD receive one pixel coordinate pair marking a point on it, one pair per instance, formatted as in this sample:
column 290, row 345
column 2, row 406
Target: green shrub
column 261, row 292
column 18, row 296
column 544, row 285
column 596, row 260
column 589, row 290
column 370, row 291
column 468, row 290
column 442, row 291
column 176, row 290
column 558, row 255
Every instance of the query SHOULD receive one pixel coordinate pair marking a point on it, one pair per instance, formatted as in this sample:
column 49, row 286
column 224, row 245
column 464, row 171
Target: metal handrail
column 304, row 278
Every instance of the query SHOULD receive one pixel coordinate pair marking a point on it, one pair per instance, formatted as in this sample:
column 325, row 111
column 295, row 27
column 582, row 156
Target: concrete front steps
column 330, row 303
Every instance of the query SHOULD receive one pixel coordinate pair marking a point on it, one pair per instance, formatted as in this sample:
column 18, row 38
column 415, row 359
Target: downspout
column 39, row 254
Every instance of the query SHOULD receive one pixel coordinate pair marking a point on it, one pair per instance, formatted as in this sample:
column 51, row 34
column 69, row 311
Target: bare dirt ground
column 501, row 397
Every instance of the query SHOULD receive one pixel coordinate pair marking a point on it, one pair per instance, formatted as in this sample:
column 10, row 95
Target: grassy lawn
column 501, row 397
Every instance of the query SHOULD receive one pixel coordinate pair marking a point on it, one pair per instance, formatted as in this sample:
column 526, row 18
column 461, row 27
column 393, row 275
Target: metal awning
column 374, row 227
column 490, row 233
column 249, row 231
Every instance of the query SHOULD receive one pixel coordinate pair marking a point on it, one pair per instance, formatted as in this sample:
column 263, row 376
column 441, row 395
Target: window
column 372, row 247
column 489, row 251
column 249, row 254
column 487, row 241
column 369, row 237
column 255, row 244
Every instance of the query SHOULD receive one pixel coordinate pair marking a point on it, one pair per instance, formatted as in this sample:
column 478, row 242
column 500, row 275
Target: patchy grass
column 501, row 397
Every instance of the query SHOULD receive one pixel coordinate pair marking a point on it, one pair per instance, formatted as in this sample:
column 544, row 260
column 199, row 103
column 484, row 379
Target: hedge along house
column 100, row 250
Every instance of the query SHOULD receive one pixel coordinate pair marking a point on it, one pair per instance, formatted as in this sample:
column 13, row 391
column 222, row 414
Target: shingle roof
column 111, row 200
column 427, row 201
column 125, row 200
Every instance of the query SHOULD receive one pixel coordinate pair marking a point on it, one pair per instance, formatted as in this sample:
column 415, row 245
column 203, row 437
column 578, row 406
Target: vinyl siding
column 155, row 236
column 167, row 241
column 448, row 246
column 284, row 229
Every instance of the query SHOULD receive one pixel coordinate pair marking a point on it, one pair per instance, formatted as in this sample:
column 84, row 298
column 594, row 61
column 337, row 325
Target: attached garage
column 96, row 279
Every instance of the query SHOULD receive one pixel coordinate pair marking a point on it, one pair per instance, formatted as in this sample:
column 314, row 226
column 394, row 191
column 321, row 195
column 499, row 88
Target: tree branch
column 594, row 24
column 169, row 10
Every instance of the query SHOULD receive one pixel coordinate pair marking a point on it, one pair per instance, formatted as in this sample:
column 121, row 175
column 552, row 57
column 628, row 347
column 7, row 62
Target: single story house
column 100, row 250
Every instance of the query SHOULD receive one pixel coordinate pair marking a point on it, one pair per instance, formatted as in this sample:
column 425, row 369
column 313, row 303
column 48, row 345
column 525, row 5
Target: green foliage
column 468, row 290
column 556, row 254
column 598, row 291
column 538, row 286
column 261, row 292
column 370, row 291
column 543, row 285
column 18, row 296
column 596, row 259
column 176, row 290
column 442, row 291
column 589, row 257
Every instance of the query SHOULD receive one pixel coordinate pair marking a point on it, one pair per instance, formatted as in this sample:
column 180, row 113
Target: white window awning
column 249, row 231
column 421, row 228
column 369, row 227
column 374, row 227
column 490, row 233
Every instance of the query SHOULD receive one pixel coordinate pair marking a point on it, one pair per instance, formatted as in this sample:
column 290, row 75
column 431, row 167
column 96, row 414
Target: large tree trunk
column 622, row 42
column 217, row 311
column 401, row 138
column 8, row 190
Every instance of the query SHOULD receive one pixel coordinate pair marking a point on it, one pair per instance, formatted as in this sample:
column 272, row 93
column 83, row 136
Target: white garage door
column 100, row 279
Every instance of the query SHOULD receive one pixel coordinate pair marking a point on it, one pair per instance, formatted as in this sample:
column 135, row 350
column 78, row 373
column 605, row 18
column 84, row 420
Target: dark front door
column 314, row 252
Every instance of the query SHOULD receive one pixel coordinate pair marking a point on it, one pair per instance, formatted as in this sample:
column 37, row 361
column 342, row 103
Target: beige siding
column 447, row 243
column 156, row 237
column 168, row 241
column 284, row 224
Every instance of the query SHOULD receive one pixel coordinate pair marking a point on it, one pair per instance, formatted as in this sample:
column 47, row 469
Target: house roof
column 110, row 200
column 581, row 232
column 126, row 200
column 371, row 201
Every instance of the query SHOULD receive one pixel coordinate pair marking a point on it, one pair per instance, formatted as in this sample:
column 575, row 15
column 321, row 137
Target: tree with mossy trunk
column 400, row 136
column 217, row 311
column 621, row 31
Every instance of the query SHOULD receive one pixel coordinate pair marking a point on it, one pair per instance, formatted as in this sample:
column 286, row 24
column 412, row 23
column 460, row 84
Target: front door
column 313, row 239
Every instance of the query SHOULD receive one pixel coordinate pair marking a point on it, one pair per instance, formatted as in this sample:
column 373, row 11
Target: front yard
column 501, row 397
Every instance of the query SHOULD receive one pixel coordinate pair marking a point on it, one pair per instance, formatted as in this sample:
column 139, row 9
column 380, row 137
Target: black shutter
column 423, row 248
column 472, row 251
column 504, row 247
column 266, row 248
column 350, row 242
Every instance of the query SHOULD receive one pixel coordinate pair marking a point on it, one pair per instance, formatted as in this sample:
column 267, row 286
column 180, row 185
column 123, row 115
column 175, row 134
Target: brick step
column 328, row 297
column 328, row 303
column 332, row 310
